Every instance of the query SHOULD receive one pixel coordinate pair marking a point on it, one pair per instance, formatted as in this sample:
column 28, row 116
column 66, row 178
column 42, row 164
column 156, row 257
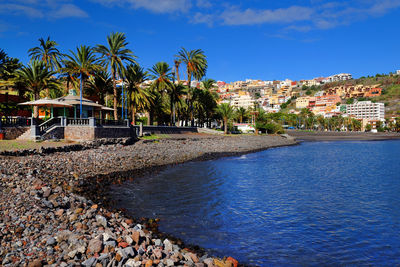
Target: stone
column 129, row 251
column 135, row 237
column 169, row 262
column 89, row 262
column 194, row 257
column 35, row 263
column 46, row 191
column 222, row 263
column 158, row 242
column 149, row 263
column 95, row 245
column 209, row 262
column 167, row 245
column 233, row 261
column 101, row 220
column 51, row 241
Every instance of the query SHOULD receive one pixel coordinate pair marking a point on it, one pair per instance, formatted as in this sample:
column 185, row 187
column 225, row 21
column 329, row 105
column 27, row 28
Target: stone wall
column 79, row 133
column 84, row 133
column 12, row 133
column 114, row 132
column 168, row 129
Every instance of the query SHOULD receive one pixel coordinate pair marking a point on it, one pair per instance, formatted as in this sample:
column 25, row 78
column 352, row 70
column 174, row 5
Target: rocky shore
column 54, row 208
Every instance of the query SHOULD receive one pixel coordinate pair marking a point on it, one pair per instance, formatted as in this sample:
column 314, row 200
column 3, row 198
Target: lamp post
column 80, row 100
column 172, row 99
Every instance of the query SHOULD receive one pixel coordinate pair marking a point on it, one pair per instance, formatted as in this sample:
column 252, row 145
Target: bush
column 270, row 128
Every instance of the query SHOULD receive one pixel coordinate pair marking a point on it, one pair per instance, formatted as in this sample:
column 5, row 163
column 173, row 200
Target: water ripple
column 327, row 203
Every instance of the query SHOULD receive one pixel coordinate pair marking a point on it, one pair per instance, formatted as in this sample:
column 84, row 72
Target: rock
column 233, row 261
column 50, row 241
column 101, row 220
column 169, row 262
column 135, row 237
column 167, row 245
column 59, row 212
column 222, row 263
column 149, row 263
column 89, row 262
column 129, row 251
column 46, row 191
column 95, row 245
column 209, row 262
column 193, row 257
column 35, row 263
column 157, row 242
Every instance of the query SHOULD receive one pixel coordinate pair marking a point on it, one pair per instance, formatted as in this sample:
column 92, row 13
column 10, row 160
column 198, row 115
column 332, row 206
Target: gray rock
column 101, row 220
column 89, row 262
column 51, row 241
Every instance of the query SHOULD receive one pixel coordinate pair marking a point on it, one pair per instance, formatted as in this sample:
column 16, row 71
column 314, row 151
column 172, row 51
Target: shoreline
column 66, row 192
column 341, row 136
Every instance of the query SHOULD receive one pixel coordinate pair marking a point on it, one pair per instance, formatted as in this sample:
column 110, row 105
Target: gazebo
column 69, row 106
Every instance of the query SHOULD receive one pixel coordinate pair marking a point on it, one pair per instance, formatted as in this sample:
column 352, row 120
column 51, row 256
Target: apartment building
column 367, row 110
column 340, row 77
column 398, row 72
column 242, row 100
column 304, row 101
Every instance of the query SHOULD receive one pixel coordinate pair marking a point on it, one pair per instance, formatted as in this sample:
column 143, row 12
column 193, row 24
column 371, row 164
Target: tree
column 83, row 63
column 48, row 53
column 196, row 67
column 114, row 57
column 100, row 84
column 241, row 114
column 161, row 75
column 209, row 84
column 36, row 77
column 176, row 91
column 177, row 63
column 226, row 111
column 140, row 97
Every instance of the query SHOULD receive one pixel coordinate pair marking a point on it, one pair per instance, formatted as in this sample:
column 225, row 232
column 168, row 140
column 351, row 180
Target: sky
column 242, row 39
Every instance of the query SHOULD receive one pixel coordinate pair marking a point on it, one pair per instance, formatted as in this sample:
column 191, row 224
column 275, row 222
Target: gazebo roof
column 75, row 100
column 46, row 102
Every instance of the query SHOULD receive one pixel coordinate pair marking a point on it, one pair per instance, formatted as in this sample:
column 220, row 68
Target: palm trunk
column 177, row 72
column 190, row 99
column 115, row 97
column 133, row 114
column 225, row 125
column 35, row 108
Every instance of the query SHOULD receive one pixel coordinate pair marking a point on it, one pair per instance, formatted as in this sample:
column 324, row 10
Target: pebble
column 51, row 202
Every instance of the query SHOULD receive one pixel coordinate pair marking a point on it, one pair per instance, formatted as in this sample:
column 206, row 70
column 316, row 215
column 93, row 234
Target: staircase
column 25, row 136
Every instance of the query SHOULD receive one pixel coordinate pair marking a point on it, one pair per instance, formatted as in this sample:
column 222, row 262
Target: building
column 367, row 110
column 340, row 77
column 303, row 102
column 398, row 72
column 243, row 100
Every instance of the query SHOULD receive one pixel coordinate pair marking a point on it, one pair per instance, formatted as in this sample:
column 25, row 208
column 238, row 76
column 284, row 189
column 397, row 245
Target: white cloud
column 156, row 6
column 249, row 16
column 17, row 9
column 203, row 4
column 68, row 11
column 40, row 9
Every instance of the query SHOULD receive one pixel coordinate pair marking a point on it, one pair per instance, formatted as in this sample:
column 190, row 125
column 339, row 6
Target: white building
column 398, row 72
column 367, row 110
column 340, row 77
column 243, row 100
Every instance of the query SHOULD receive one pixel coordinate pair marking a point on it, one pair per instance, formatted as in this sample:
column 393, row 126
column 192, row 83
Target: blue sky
column 258, row 39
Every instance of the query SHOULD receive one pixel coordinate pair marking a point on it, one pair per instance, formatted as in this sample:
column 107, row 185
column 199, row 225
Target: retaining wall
column 12, row 133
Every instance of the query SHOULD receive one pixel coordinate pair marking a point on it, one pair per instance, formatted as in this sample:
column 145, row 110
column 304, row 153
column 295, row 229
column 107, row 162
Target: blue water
column 319, row 203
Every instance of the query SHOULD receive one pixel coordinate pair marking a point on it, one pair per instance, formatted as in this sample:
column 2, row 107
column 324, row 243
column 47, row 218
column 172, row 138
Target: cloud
column 39, row 9
column 17, row 9
column 319, row 15
column 203, row 4
column 68, row 11
column 156, row 6
column 234, row 16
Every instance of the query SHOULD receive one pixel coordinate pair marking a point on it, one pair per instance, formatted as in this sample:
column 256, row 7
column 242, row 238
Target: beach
column 56, row 211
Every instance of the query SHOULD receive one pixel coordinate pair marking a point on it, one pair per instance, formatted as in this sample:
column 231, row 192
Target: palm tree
column 226, row 111
column 161, row 75
column 114, row 57
column 140, row 97
column 83, row 63
column 36, row 77
column 208, row 84
column 241, row 113
column 176, row 91
column 196, row 67
column 48, row 53
column 177, row 63
column 100, row 84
